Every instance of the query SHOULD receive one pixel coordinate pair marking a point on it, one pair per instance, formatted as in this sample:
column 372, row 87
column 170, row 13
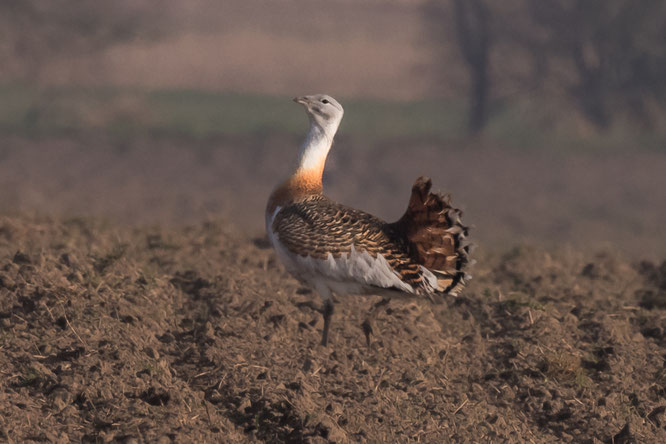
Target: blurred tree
column 609, row 56
column 472, row 21
column 616, row 48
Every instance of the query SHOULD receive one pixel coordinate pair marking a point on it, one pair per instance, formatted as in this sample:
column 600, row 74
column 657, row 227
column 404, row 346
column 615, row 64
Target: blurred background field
column 545, row 120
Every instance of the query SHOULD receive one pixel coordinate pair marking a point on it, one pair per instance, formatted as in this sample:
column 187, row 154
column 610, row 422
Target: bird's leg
column 327, row 312
column 372, row 314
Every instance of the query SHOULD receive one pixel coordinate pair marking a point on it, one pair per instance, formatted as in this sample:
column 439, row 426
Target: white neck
column 315, row 148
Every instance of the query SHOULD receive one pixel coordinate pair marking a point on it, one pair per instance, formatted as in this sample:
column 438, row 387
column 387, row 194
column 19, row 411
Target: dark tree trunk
column 478, row 113
column 473, row 30
column 590, row 92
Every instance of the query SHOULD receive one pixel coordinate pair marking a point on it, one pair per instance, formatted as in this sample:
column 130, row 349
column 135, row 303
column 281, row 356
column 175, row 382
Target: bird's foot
column 310, row 305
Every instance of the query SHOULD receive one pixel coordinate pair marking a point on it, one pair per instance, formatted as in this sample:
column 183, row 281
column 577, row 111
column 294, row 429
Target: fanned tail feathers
column 436, row 236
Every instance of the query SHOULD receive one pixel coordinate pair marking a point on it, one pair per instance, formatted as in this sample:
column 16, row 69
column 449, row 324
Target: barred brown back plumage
column 317, row 226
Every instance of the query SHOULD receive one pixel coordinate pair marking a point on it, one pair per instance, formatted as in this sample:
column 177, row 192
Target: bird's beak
column 303, row 100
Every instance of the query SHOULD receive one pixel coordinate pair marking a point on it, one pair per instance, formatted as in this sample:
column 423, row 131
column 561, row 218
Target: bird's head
column 323, row 110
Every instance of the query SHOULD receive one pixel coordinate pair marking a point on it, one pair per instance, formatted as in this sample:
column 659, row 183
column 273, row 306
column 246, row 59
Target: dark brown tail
column 436, row 236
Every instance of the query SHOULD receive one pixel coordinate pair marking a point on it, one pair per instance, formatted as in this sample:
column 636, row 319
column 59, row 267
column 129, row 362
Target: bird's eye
column 324, row 101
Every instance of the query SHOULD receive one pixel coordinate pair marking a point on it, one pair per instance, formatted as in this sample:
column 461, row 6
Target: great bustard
column 341, row 250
